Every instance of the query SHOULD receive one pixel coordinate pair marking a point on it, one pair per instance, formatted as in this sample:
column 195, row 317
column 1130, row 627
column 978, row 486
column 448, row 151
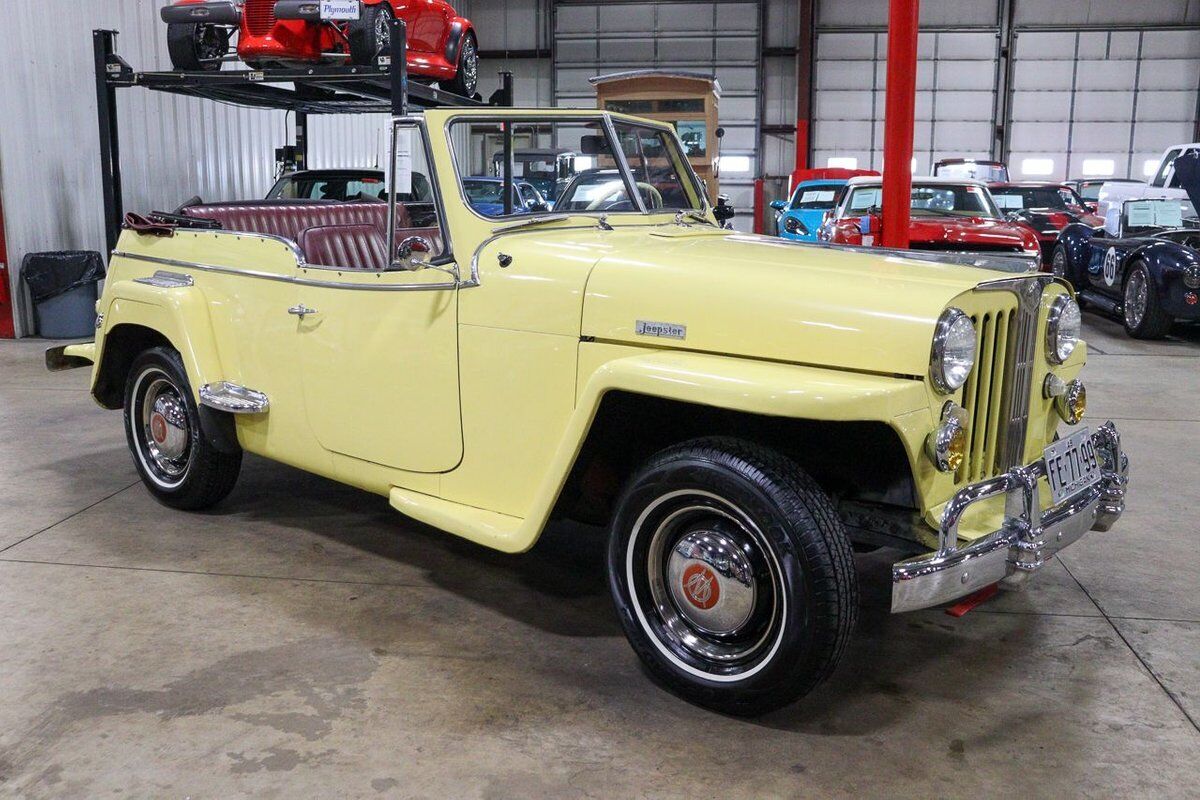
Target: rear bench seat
column 352, row 235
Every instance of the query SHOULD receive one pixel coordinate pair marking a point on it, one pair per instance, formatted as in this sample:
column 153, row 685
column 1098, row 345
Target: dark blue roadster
column 1143, row 264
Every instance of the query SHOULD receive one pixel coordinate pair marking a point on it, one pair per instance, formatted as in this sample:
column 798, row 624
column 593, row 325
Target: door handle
column 301, row 310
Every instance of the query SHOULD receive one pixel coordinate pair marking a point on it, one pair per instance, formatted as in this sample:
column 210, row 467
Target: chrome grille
column 260, row 16
column 998, row 393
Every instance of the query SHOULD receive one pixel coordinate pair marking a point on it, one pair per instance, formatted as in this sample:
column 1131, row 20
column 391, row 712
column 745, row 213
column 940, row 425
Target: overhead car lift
column 303, row 90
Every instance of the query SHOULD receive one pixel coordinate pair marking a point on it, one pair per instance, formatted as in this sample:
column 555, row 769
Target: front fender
column 1076, row 240
column 1167, row 262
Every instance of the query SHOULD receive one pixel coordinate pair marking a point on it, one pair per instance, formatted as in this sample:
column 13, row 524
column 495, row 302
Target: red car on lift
column 1045, row 207
column 442, row 46
column 947, row 215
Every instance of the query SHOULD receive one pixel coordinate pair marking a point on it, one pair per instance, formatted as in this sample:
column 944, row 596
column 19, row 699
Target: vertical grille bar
column 1024, row 346
column 260, row 16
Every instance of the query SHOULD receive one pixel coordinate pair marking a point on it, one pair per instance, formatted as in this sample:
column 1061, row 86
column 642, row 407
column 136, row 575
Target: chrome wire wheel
column 164, row 430
column 383, row 32
column 468, row 66
column 705, row 584
column 1058, row 265
column 1136, row 298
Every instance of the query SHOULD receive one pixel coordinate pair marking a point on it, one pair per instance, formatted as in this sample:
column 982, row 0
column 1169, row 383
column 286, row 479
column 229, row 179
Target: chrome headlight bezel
column 1064, row 310
column 949, row 324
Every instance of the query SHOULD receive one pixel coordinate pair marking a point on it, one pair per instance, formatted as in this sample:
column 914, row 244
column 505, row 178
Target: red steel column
column 805, row 45
column 6, row 305
column 903, row 18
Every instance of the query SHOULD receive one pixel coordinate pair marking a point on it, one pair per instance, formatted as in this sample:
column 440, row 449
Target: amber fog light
column 1070, row 399
column 946, row 444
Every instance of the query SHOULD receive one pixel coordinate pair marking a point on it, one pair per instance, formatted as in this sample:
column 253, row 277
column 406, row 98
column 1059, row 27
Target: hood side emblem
column 665, row 330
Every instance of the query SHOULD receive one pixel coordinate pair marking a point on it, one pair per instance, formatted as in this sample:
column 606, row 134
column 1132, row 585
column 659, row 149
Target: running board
column 1101, row 301
column 489, row 528
column 226, row 396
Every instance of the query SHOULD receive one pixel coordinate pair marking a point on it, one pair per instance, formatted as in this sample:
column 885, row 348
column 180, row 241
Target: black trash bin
column 63, row 287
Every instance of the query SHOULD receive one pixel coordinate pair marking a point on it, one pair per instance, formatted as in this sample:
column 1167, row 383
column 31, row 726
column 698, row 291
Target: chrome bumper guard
column 1027, row 539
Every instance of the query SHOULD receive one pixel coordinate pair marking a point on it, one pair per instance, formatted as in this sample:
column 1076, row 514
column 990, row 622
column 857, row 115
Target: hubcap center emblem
column 158, row 427
column 700, row 586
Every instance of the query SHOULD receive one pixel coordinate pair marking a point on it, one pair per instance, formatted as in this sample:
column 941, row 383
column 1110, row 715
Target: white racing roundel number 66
column 1110, row 266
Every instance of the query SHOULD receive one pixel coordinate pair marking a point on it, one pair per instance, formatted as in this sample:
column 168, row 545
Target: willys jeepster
column 739, row 411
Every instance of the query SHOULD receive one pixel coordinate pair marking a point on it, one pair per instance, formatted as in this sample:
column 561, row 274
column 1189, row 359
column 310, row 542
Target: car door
column 379, row 349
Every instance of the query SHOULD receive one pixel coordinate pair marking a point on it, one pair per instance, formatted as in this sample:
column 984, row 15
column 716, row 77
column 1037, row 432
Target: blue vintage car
column 486, row 195
column 1143, row 264
column 800, row 217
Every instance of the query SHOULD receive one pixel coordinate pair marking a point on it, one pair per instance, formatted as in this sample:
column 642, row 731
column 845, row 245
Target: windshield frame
column 605, row 118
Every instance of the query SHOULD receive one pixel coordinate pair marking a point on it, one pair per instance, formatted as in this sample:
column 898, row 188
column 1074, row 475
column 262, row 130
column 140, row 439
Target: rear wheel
column 170, row 447
column 197, row 47
column 1143, row 315
column 371, row 35
column 466, row 79
column 732, row 575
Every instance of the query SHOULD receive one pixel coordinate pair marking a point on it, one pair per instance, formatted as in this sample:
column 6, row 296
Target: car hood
column 763, row 297
column 971, row 231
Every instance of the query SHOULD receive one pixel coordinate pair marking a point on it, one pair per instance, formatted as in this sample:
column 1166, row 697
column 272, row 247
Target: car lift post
column 903, row 19
column 110, row 154
column 399, row 68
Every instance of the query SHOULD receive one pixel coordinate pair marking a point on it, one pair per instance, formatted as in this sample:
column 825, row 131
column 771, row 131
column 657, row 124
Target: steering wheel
column 608, row 200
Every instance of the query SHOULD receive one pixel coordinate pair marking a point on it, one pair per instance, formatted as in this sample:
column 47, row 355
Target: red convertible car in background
column 1045, row 207
column 948, row 215
column 442, row 46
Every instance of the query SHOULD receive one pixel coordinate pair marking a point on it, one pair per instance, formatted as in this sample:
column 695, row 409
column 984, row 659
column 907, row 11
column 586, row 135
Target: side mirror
column 723, row 212
column 779, row 205
column 412, row 251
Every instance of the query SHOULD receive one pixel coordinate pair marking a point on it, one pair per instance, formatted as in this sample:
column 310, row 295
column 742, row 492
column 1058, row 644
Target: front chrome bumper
column 1027, row 538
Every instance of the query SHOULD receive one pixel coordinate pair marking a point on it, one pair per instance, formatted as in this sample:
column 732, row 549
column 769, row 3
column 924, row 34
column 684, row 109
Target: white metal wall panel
column 1100, row 96
column 956, row 76
column 1083, row 13
column 934, row 13
column 720, row 38
column 172, row 147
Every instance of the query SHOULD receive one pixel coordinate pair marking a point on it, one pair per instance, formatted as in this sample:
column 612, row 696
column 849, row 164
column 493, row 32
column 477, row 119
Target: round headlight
column 953, row 351
column 1062, row 329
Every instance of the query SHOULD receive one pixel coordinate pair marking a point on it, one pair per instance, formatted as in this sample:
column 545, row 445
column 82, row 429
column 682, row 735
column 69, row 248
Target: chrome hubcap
column 1059, row 265
column 166, row 435
column 383, row 34
column 1135, row 299
column 711, row 581
column 707, row 588
column 469, row 65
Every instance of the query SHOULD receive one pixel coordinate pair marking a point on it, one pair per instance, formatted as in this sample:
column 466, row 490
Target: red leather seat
column 289, row 220
column 352, row 246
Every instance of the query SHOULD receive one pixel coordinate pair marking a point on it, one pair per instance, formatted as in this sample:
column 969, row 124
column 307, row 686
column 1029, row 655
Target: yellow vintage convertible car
column 739, row 411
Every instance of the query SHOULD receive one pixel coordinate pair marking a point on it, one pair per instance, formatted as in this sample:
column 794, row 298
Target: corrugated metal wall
column 172, row 147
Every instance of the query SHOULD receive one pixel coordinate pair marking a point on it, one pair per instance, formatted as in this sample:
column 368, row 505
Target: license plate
column 1072, row 465
column 339, row 9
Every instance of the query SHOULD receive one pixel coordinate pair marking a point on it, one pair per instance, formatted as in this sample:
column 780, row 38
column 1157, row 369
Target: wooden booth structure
column 687, row 100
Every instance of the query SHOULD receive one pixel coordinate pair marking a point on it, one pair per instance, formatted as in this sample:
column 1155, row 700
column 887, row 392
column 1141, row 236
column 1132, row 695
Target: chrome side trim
column 167, row 280
column 271, row 276
column 1027, row 538
column 234, row 398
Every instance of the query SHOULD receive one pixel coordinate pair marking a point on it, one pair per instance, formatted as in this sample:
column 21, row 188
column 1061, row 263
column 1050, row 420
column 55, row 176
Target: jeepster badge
column 666, row 330
column 701, row 587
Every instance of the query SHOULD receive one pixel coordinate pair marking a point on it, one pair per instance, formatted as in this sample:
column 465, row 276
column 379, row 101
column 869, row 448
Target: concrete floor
column 305, row 641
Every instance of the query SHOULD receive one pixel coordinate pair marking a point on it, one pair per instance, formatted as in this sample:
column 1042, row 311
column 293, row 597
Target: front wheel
column 1142, row 312
column 171, row 450
column 197, row 48
column 466, row 80
column 732, row 575
column 1059, row 264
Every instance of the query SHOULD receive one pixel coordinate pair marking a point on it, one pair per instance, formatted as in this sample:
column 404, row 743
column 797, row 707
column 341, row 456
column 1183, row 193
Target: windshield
column 929, row 201
column 1016, row 198
column 818, row 197
column 975, row 170
column 481, row 191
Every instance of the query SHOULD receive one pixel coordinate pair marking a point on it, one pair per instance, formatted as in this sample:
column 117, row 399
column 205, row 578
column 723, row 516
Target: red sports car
column 442, row 46
column 1045, row 207
column 947, row 215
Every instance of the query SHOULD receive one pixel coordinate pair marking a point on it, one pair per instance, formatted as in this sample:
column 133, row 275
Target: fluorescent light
column 913, row 166
column 1102, row 167
column 1037, row 166
column 734, row 163
column 842, row 163
column 1150, row 167
column 584, row 162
